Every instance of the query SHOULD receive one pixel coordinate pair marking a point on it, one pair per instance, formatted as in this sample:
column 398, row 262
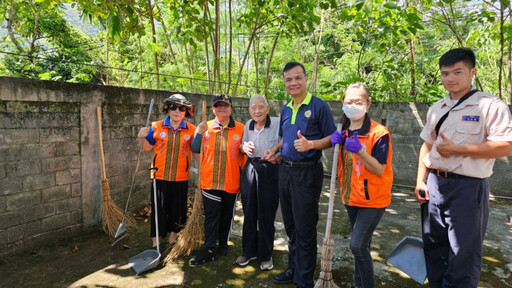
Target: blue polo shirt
column 313, row 118
column 167, row 123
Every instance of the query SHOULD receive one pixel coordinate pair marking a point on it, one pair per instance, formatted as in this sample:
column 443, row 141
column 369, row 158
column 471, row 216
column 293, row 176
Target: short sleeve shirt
column 264, row 139
column 313, row 118
column 482, row 117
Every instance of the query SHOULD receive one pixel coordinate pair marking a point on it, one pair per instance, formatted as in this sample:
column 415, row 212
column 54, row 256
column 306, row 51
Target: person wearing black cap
column 170, row 140
column 220, row 176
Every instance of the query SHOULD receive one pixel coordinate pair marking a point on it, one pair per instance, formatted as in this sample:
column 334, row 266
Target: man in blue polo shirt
column 306, row 126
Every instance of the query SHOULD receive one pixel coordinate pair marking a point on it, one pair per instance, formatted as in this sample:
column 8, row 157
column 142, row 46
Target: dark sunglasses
column 181, row 108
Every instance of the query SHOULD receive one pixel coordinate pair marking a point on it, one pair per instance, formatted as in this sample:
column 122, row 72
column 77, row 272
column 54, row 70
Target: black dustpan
column 408, row 257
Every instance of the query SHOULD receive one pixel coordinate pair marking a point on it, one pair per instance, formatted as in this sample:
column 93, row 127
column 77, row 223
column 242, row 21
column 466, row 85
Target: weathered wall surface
column 50, row 172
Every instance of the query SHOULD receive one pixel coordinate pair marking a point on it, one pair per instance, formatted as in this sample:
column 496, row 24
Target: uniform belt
column 446, row 174
column 299, row 164
column 256, row 160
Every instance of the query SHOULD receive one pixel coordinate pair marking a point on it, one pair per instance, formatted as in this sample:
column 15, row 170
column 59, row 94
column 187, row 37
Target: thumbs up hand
column 302, row 144
column 352, row 144
column 446, row 147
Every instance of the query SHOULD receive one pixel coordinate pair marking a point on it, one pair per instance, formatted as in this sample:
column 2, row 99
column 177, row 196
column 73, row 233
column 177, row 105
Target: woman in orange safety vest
column 170, row 140
column 365, row 176
column 221, row 167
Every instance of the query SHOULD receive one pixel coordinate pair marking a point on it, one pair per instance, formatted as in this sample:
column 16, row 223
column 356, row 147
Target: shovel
column 122, row 227
column 148, row 259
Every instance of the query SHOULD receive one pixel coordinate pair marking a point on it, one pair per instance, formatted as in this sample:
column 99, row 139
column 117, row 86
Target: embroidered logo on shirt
column 186, row 136
column 236, row 137
column 307, row 114
column 471, row 118
column 162, row 134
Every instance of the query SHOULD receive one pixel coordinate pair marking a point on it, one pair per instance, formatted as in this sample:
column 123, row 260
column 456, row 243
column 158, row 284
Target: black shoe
column 284, row 278
column 205, row 255
column 223, row 250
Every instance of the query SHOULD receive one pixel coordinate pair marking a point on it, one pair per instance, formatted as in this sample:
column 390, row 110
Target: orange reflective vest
column 172, row 151
column 358, row 186
column 222, row 161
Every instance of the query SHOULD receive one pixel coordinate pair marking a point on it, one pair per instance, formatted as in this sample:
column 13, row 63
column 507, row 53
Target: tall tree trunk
column 509, row 60
column 168, row 39
column 412, row 69
column 502, row 44
column 153, row 33
column 13, row 15
column 141, row 62
column 253, row 33
column 312, row 83
column 106, row 64
column 216, row 61
column 230, row 46
column 190, row 65
column 205, row 33
column 270, row 62
column 256, row 67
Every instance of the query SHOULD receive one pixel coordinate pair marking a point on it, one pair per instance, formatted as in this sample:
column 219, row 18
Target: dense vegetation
column 240, row 47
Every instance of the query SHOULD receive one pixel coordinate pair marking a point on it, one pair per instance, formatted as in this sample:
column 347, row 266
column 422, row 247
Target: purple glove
column 337, row 138
column 352, row 144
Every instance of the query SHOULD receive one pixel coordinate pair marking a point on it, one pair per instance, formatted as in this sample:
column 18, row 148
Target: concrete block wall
column 40, row 172
column 50, row 171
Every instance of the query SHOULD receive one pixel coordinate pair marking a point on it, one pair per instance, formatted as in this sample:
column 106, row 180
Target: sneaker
column 267, row 265
column 243, row 261
column 205, row 255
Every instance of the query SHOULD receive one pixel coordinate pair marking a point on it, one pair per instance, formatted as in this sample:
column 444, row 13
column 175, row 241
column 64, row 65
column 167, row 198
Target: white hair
column 257, row 96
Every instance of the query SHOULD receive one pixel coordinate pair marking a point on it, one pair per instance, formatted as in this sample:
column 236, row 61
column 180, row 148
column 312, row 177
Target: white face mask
column 354, row 112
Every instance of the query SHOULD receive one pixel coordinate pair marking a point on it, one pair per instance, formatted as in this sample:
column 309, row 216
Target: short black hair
column 293, row 64
column 456, row 55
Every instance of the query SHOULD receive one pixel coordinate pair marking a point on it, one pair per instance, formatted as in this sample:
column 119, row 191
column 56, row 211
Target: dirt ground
column 90, row 261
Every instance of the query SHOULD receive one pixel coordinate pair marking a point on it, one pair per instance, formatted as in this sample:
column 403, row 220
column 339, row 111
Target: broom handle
column 138, row 161
column 100, row 139
column 332, row 193
column 203, row 119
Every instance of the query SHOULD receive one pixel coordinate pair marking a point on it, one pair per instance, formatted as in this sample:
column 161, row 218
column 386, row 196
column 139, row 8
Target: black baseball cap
column 224, row 98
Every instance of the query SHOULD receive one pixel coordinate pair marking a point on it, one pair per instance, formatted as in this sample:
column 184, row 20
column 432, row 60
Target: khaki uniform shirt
column 482, row 117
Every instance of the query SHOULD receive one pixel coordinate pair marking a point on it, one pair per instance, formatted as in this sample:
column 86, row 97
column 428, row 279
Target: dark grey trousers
column 454, row 226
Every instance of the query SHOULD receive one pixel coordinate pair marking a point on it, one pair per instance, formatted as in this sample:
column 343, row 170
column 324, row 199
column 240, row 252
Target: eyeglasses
column 181, row 108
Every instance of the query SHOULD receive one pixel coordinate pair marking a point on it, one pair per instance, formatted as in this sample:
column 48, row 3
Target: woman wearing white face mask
column 365, row 176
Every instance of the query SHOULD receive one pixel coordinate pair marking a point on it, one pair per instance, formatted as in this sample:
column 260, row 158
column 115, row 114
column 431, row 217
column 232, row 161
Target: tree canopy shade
column 240, row 47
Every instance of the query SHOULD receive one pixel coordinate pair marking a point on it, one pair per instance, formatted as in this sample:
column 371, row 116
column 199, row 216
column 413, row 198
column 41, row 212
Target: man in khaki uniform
column 455, row 160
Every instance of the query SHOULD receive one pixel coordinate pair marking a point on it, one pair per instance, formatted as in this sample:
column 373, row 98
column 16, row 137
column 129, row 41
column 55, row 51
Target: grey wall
column 50, row 172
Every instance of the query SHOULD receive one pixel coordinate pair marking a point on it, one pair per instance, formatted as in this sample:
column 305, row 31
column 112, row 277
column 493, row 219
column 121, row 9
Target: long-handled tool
column 122, row 227
column 325, row 278
column 192, row 236
column 148, row 259
column 111, row 214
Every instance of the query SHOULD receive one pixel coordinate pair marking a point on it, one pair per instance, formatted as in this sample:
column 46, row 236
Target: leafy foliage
column 238, row 46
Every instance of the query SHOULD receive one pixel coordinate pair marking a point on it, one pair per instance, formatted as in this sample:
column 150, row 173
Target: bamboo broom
column 192, row 236
column 111, row 214
column 325, row 278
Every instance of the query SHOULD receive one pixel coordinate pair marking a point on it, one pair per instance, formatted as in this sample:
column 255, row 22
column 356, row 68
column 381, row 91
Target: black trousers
column 219, row 208
column 260, row 199
column 299, row 193
column 172, row 207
